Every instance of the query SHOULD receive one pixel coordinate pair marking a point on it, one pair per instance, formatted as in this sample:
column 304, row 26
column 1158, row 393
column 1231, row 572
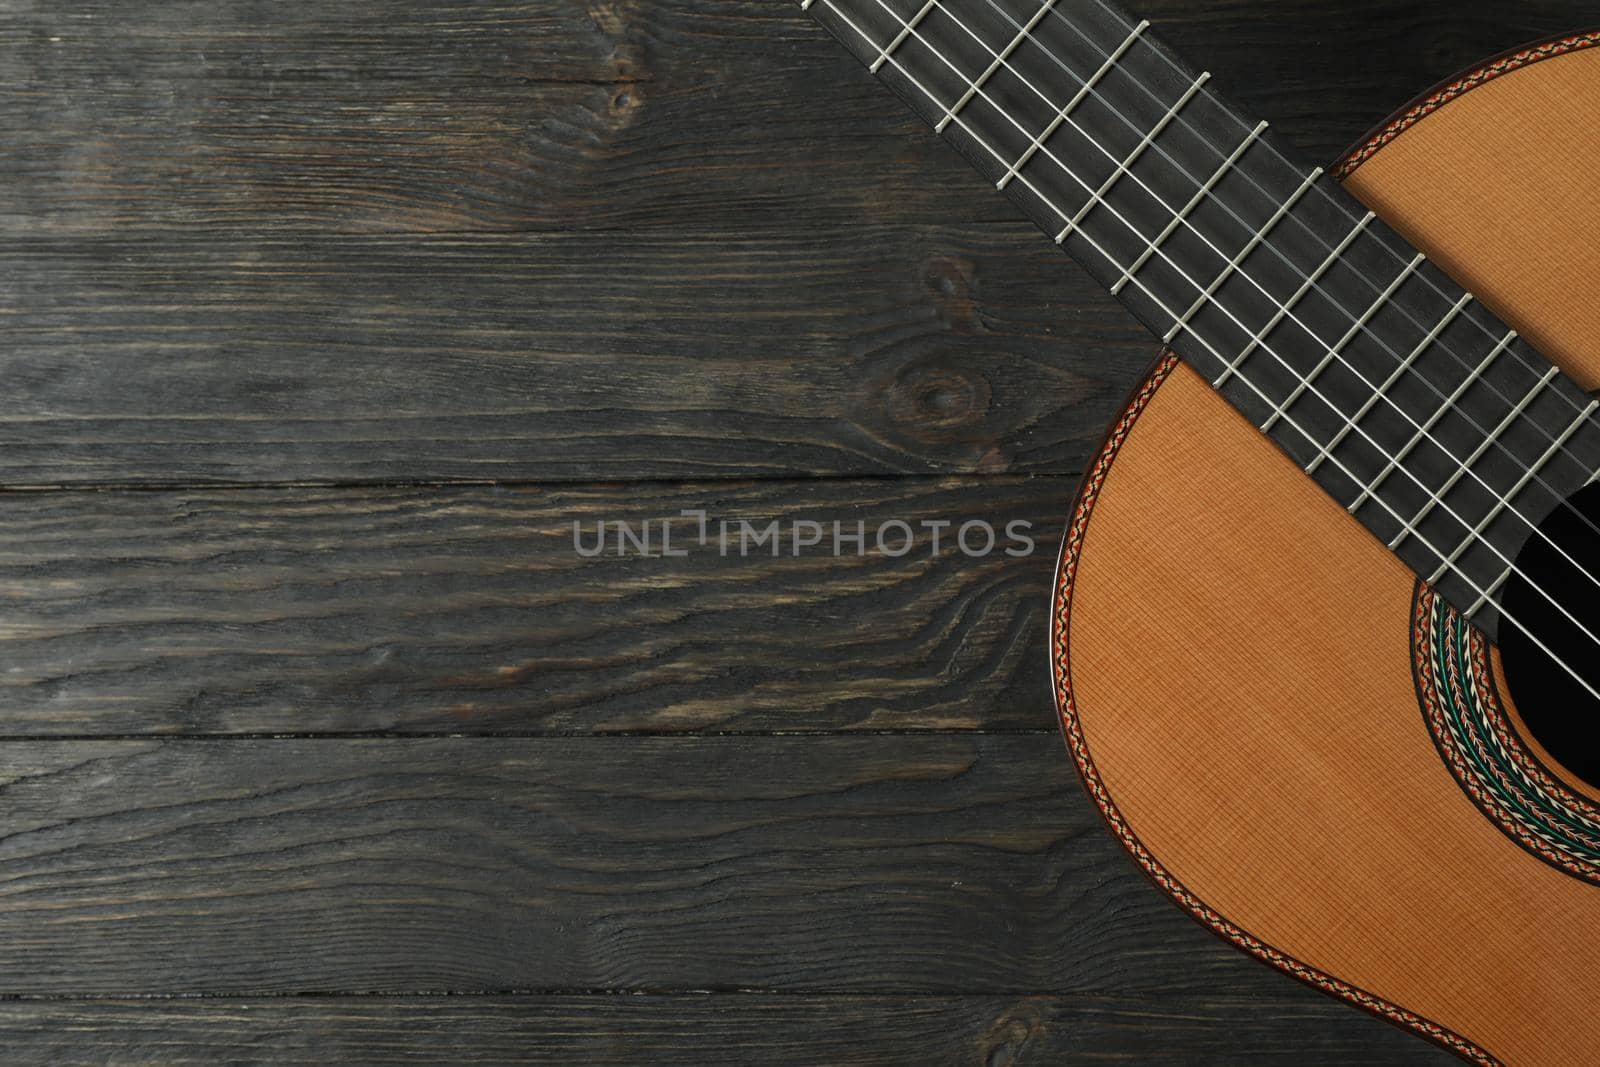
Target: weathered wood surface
column 806, row 289
column 556, row 242
column 904, row 864
column 874, row 865
column 684, row 353
column 469, row 610
column 396, row 116
column 1291, row 1027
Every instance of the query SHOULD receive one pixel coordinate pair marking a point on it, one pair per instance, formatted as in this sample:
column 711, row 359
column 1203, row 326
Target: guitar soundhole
column 1560, row 570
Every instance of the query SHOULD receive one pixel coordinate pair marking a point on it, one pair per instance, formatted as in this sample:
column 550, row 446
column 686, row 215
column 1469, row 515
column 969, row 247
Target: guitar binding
column 1455, row 683
column 1072, row 731
column 1456, row 687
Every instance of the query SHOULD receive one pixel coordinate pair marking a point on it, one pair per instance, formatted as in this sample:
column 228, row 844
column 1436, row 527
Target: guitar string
column 1406, row 367
column 1467, row 578
column 1559, row 444
column 1188, row 328
column 975, row 89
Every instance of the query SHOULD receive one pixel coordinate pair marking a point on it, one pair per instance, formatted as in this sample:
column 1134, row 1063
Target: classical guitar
column 1326, row 631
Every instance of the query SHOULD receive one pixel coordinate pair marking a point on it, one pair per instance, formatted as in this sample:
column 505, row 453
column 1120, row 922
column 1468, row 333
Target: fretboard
column 1410, row 404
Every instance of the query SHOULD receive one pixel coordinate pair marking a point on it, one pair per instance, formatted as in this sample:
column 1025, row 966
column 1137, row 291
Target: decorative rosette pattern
column 1483, row 749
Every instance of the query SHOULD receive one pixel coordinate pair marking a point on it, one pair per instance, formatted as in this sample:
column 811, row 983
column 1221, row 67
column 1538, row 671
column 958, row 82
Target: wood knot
column 625, row 100
column 614, row 19
column 933, row 402
column 1007, row 1039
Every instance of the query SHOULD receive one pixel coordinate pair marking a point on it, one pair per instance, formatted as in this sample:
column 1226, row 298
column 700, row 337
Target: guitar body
column 1304, row 748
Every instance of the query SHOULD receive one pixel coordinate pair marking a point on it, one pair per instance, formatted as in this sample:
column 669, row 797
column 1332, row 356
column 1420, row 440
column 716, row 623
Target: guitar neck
column 1408, row 402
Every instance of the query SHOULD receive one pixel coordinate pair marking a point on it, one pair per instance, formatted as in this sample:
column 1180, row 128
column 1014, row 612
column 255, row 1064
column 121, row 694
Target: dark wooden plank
column 909, row 864
column 534, row 113
column 882, row 344
column 472, row 610
column 461, row 116
column 1295, row 1028
column 557, row 357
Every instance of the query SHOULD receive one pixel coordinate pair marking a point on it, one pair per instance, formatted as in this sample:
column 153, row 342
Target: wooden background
column 321, row 323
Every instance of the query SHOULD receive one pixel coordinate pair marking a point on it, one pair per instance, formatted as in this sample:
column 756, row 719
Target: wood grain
column 873, row 864
column 1443, row 178
column 1289, row 1028
column 756, row 309
column 471, row 611
column 533, row 114
column 421, row 359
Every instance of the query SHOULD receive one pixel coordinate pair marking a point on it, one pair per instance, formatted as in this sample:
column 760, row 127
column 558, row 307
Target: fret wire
column 1494, row 587
column 1045, row 200
column 1434, row 419
column 1450, row 483
column 1328, row 196
column 1005, row 114
column 979, row 141
column 1099, row 195
column 1505, row 501
column 1593, row 526
column 1283, row 210
column 1183, row 323
column 1382, row 392
column 1064, row 113
column 1183, row 326
column 1000, row 59
column 1335, row 352
column 1448, row 349
column 1237, row 261
column 1523, row 362
column 1467, row 578
column 1183, row 216
column 900, row 38
column 1299, row 294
